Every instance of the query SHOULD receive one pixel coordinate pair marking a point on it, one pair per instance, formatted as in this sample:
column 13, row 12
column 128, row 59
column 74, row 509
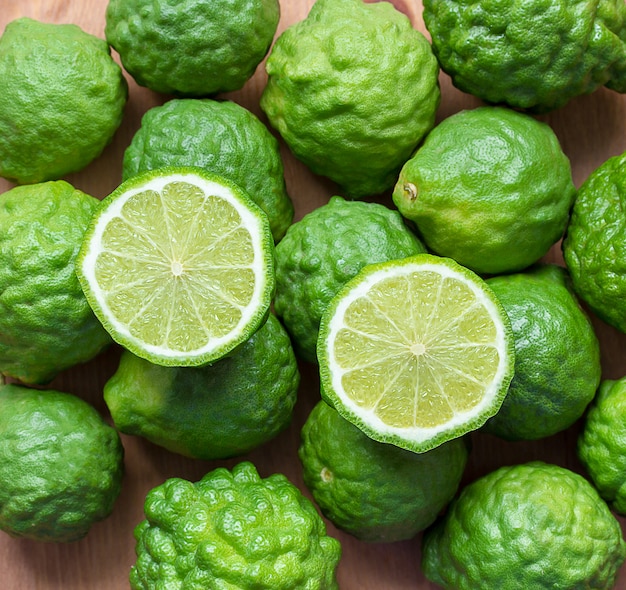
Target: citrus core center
column 417, row 349
column 177, row 268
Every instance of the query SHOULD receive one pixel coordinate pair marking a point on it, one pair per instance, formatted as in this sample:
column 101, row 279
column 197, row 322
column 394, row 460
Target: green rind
column 131, row 344
column 333, row 399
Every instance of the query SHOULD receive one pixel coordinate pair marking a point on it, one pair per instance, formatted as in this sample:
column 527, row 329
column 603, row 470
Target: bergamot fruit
column 415, row 352
column 534, row 525
column 530, row 54
column 554, row 380
column 325, row 249
column 62, row 465
column 178, row 265
column 191, row 47
column 233, row 529
column 593, row 247
column 352, row 89
column 489, row 187
column 375, row 491
column 46, row 324
column 223, row 138
column 602, row 443
column 221, row 410
column 62, row 100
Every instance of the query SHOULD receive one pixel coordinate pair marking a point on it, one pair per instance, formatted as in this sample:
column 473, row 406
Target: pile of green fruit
column 419, row 292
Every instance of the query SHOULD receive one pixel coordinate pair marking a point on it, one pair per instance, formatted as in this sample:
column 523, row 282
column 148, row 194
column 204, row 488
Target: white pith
column 249, row 220
column 368, row 417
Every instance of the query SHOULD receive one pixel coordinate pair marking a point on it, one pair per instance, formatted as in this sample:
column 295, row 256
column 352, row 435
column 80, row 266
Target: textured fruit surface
column 221, row 410
column 61, row 468
column 177, row 264
column 233, row 529
column 352, row 89
column 191, row 47
column 557, row 355
column 593, row 245
column 221, row 137
column 325, row 249
column 62, row 99
column 530, row 53
column 415, row 352
column 602, row 443
column 534, row 525
column 375, row 491
column 46, row 324
column 489, row 187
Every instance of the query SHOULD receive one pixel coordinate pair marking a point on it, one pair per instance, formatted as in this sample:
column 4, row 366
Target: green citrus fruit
column 46, row 324
column 557, row 355
column 489, row 187
column 415, row 352
column 222, row 137
column 213, row 412
column 325, row 249
column 530, row 54
column 62, row 465
column 177, row 264
column 593, row 245
column 191, row 47
column 534, row 525
column 62, row 99
column 602, row 443
column 233, row 529
column 375, row 491
column 352, row 90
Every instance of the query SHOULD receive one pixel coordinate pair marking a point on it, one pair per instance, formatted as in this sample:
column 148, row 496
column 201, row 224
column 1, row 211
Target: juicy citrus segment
column 416, row 351
column 178, row 266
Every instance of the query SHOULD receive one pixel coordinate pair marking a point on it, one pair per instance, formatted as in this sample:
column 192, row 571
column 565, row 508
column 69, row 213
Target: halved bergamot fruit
column 415, row 351
column 178, row 266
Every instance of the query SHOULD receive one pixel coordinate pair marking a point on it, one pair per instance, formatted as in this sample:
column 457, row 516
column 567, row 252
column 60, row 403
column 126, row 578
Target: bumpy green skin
column 325, row 249
column 557, row 355
column 377, row 492
column 489, row 187
column 233, row 530
column 62, row 465
column 221, row 137
column 191, row 47
column 593, row 244
column 602, row 443
column 534, row 525
column 46, row 324
column 62, row 100
column 352, row 89
column 210, row 412
column 530, row 54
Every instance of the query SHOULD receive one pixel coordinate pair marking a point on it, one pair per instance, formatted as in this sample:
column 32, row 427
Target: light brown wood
column 591, row 128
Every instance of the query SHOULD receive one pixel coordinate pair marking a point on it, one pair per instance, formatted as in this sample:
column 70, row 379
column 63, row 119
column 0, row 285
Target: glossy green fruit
column 220, row 410
column 62, row 465
column 375, row 491
column 593, row 245
column 489, row 187
column 233, row 529
column 352, row 90
column 221, row 137
column 557, row 355
column 602, row 443
column 46, row 324
column 534, row 525
column 191, row 47
column 62, row 100
column 530, row 54
column 325, row 249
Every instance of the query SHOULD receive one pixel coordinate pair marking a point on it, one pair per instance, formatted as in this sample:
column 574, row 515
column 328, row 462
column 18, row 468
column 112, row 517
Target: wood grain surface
column 591, row 129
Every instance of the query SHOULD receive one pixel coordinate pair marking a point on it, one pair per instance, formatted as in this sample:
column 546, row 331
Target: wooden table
column 591, row 129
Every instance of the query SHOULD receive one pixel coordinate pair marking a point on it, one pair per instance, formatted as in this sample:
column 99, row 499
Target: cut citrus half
column 178, row 266
column 415, row 351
